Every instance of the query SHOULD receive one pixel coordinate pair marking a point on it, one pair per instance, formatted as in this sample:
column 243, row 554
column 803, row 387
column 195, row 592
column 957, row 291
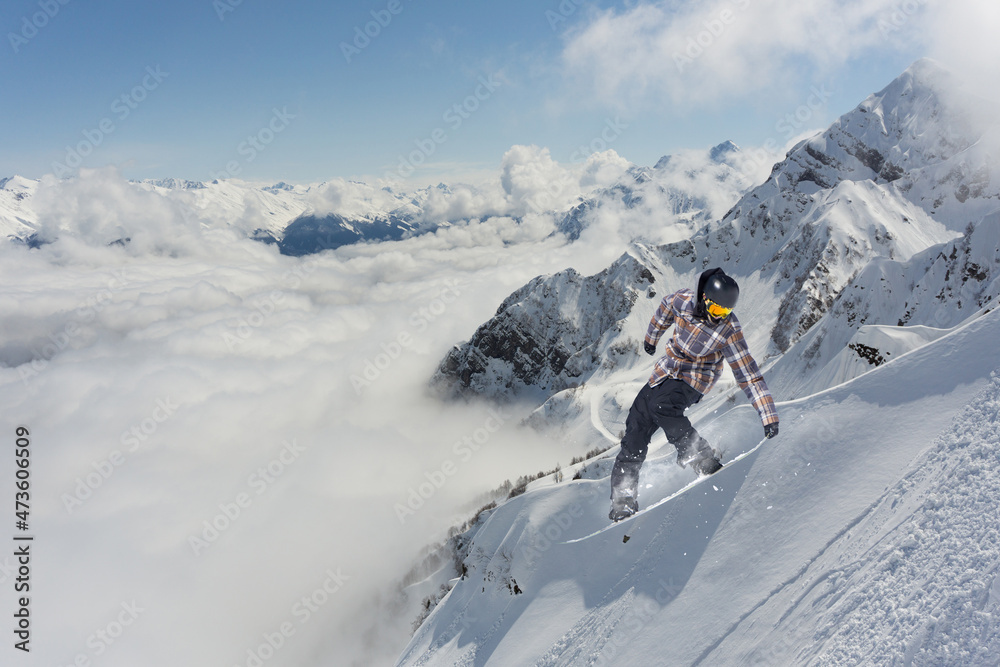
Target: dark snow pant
column 656, row 407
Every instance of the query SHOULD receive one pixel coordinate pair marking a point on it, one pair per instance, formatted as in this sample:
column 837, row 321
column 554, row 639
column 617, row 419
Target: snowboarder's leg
column 669, row 404
column 639, row 428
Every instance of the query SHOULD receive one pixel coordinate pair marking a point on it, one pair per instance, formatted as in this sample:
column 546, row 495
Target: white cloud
column 463, row 202
column 533, row 181
column 246, row 349
column 674, row 199
column 963, row 36
column 603, row 169
column 351, row 199
column 701, row 53
column 99, row 207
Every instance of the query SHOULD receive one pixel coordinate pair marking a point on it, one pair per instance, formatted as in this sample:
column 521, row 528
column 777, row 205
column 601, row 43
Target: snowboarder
column 706, row 331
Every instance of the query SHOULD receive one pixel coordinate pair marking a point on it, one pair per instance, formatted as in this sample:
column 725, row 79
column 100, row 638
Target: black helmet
column 722, row 289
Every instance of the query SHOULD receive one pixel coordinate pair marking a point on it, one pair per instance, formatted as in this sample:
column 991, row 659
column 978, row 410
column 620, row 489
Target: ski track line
column 849, row 570
column 588, row 636
column 788, row 582
column 595, row 417
column 604, row 617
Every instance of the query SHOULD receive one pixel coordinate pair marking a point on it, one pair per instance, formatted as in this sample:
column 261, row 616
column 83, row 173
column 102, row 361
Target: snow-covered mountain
column 550, row 334
column 680, row 193
column 289, row 395
column 869, row 262
column 300, row 219
column 917, row 299
column 901, row 173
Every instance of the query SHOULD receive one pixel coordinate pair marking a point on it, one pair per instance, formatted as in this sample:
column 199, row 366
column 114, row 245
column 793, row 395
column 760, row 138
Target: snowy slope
column 889, row 178
column 729, row 574
column 938, row 288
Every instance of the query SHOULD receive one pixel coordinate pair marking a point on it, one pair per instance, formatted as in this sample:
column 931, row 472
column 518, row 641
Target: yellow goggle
column 715, row 310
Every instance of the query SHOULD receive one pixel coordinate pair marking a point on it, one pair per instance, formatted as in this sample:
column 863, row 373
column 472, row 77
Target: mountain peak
column 926, row 71
column 16, row 182
column 722, row 151
column 172, row 183
column 924, row 81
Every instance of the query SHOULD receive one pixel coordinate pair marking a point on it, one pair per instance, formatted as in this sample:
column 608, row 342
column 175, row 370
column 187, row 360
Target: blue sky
column 269, row 91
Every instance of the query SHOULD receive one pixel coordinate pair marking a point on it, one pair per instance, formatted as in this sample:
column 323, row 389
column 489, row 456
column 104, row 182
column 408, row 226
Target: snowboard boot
column 692, row 449
column 700, row 456
column 687, row 456
column 707, row 465
column 624, row 489
column 623, row 506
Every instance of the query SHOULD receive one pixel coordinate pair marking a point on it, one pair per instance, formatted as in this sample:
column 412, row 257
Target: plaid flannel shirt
column 695, row 352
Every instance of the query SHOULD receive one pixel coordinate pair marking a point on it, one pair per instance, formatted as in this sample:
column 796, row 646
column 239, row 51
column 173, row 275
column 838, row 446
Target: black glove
column 650, row 349
column 771, row 430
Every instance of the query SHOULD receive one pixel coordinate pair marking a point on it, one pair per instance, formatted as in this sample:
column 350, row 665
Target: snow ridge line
column 592, row 632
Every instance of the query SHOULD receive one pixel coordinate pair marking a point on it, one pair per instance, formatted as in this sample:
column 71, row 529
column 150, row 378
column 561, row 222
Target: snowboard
column 675, row 494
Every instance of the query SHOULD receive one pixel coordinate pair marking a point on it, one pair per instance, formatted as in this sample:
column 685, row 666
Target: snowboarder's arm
column 663, row 318
column 749, row 377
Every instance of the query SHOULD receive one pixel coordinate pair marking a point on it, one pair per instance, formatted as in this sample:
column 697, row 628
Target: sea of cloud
column 219, row 431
